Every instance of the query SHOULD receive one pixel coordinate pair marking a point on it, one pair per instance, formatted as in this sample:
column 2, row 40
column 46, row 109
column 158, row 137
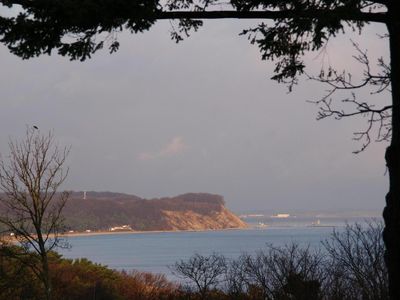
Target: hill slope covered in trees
column 193, row 211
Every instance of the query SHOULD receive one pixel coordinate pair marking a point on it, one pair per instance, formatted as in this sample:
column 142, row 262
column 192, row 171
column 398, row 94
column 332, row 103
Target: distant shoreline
column 8, row 238
column 105, row 232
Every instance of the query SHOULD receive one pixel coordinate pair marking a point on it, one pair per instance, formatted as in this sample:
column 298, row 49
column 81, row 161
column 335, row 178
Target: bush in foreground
column 79, row 280
column 349, row 266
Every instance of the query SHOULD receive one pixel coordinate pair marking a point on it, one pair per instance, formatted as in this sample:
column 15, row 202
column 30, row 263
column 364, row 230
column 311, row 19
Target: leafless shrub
column 235, row 280
column 357, row 268
column 204, row 272
column 288, row 272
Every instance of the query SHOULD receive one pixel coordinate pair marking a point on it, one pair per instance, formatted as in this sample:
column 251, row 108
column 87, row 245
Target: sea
column 156, row 252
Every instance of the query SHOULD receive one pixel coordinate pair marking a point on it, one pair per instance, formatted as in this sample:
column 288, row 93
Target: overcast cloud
column 160, row 119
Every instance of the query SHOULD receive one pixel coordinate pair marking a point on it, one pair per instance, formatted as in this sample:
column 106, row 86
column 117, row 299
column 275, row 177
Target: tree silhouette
column 30, row 205
column 78, row 29
column 204, row 272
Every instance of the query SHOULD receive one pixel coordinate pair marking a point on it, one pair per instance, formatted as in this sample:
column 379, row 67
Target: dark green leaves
column 79, row 28
column 73, row 27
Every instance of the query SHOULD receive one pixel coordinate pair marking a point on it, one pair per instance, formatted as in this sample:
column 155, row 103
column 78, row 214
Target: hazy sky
column 159, row 119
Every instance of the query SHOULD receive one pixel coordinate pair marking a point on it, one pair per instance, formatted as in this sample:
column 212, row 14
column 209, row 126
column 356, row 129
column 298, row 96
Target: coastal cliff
column 105, row 210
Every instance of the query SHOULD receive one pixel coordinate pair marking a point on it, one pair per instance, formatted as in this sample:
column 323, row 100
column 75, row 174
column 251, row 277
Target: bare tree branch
column 378, row 118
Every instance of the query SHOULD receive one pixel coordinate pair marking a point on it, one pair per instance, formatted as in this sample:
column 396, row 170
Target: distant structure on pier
column 84, row 195
column 281, row 216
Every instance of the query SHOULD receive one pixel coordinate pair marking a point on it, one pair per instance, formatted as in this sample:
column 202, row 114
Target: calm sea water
column 154, row 252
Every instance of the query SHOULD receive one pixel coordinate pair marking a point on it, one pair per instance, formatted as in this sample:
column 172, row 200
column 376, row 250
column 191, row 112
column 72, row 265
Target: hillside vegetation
column 193, row 211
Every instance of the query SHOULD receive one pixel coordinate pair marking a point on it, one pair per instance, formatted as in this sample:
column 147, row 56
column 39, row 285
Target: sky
column 160, row 119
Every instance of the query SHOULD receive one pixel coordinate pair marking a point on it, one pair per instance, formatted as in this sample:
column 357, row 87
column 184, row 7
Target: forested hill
column 103, row 210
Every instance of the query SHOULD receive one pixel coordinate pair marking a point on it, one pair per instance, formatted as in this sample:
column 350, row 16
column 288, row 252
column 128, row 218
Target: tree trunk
column 391, row 213
column 46, row 276
column 45, row 264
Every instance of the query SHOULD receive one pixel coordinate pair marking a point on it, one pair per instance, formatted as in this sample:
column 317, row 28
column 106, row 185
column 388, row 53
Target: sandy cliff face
column 190, row 220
